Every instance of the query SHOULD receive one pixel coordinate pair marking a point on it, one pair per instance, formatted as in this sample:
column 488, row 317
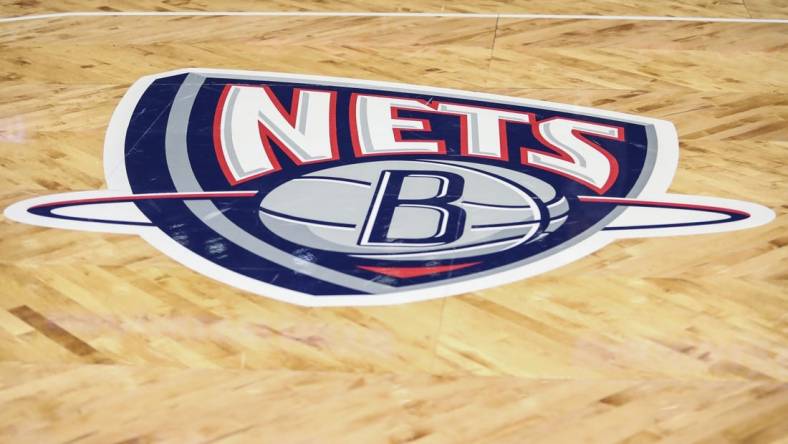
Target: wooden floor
column 104, row 339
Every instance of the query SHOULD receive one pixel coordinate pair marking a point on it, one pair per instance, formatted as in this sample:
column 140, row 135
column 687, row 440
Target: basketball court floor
column 108, row 338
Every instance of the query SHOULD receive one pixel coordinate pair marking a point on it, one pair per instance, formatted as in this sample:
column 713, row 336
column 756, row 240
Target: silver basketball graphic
column 330, row 208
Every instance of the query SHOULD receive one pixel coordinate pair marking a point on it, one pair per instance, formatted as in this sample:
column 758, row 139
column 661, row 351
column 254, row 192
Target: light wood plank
column 693, row 8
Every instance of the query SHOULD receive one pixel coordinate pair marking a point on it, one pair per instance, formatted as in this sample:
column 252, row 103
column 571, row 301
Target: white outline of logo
column 655, row 190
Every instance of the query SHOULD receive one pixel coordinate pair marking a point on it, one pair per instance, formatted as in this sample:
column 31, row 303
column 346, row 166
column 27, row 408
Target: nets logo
column 331, row 191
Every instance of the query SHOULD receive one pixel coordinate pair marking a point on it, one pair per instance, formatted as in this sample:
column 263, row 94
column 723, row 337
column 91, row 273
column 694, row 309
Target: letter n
column 249, row 117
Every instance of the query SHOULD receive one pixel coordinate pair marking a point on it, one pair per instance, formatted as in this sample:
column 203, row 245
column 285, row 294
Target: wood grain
column 274, row 406
column 692, row 8
column 649, row 340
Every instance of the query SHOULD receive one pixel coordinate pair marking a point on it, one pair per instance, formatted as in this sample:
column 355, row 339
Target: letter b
column 415, row 208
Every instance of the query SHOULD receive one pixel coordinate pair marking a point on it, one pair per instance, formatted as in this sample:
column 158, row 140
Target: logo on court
column 332, row 191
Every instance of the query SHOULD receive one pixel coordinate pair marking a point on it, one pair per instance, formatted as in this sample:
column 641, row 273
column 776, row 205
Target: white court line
column 389, row 14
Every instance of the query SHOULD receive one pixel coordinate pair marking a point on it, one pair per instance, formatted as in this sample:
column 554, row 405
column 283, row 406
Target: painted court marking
column 271, row 268
column 387, row 14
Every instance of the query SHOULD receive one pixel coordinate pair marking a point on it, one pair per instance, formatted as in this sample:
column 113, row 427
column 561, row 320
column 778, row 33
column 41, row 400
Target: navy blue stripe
column 336, row 179
column 494, row 205
column 47, row 212
column 506, row 224
column 303, row 219
column 732, row 217
column 675, row 225
column 513, row 224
